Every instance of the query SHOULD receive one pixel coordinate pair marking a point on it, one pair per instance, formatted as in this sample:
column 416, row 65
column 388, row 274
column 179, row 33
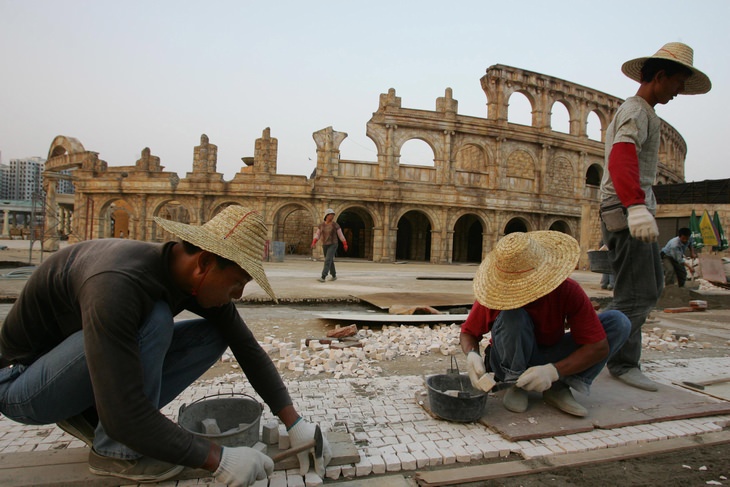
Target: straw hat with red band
column 524, row 267
column 697, row 84
column 236, row 233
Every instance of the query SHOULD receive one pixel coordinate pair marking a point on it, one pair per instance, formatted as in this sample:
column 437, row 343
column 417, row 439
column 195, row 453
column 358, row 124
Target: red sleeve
column 623, row 165
column 479, row 321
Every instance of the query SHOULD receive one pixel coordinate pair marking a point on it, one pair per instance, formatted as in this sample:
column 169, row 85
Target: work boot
column 81, row 426
column 559, row 396
column 144, row 469
column 635, row 378
column 515, row 400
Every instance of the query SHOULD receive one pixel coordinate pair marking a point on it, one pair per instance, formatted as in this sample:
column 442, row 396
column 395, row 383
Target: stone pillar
column 50, row 234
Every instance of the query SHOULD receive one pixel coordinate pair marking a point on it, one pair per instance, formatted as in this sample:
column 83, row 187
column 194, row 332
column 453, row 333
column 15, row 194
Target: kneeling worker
column 546, row 336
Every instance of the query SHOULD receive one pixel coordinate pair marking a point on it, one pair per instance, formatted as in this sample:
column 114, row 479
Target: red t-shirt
column 567, row 307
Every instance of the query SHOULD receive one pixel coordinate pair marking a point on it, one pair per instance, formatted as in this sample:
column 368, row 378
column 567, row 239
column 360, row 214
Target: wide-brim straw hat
column 237, row 233
column 524, row 267
column 696, row 84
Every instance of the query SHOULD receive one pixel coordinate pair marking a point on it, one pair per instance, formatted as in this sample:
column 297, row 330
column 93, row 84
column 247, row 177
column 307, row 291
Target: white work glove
column 642, row 224
column 475, row 367
column 538, row 378
column 242, row 466
column 302, row 432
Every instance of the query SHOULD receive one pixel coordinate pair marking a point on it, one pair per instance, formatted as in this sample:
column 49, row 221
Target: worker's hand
column 475, row 367
column 538, row 378
column 302, row 432
column 642, row 224
column 242, row 466
column 344, row 244
column 314, row 242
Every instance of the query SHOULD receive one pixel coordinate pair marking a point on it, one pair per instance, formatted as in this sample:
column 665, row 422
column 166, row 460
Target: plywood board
column 435, row 300
column 711, row 268
column 69, row 467
column 388, row 318
column 611, row 404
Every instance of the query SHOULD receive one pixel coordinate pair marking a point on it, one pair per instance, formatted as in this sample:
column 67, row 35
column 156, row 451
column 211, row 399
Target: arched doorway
column 515, row 225
column 468, row 238
column 293, row 226
column 413, row 237
column 118, row 220
column 357, row 226
column 174, row 211
column 560, row 226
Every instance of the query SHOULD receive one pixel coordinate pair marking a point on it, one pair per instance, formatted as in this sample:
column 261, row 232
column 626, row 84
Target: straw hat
column 697, row 84
column 524, row 267
column 236, row 233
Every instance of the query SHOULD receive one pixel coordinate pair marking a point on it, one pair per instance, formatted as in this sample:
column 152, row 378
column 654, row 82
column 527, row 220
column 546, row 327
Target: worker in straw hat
column 91, row 345
column 527, row 301
column 330, row 233
column 628, row 205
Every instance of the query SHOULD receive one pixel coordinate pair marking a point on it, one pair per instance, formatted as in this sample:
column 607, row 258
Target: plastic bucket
column 598, row 260
column 237, row 416
column 467, row 406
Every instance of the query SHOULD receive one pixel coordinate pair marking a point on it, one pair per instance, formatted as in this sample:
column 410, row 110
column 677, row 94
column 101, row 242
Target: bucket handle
column 454, row 366
column 224, row 394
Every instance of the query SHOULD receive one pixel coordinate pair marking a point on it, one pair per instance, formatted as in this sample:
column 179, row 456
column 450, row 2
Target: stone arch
column 115, row 216
column 413, row 236
column 417, row 140
column 516, row 224
column 169, row 209
column 292, row 224
column 468, row 239
column 358, row 226
column 598, row 132
column 563, row 126
column 518, row 116
column 594, row 175
column 62, row 145
column 521, row 170
column 559, row 177
column 559, row 225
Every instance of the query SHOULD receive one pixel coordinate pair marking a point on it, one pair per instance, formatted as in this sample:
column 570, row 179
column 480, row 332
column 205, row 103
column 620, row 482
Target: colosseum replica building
column 489, row 177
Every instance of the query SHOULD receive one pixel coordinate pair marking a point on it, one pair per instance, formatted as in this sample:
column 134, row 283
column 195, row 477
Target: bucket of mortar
column 453, row 398
column 237, row 416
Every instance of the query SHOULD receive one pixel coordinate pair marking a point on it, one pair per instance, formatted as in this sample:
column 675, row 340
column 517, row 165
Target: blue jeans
column 329, row 260
column 57, row 386
column 514, row 348
column 639, row 283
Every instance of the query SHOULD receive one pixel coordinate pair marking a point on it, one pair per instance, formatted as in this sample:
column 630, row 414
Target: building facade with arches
column 488, row 177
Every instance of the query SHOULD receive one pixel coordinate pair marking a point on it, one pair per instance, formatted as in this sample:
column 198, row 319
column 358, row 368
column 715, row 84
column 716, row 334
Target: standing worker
column 329, row 232
column 91, row 345
column 628, row 204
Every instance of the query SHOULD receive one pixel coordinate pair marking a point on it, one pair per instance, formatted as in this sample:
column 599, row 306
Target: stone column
column 50, row 234
column 6, row 226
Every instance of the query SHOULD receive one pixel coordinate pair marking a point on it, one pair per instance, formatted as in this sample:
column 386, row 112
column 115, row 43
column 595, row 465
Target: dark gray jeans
column 639, row 281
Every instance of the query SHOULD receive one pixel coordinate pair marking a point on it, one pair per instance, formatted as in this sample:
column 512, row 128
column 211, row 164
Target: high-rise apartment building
column 21, row 178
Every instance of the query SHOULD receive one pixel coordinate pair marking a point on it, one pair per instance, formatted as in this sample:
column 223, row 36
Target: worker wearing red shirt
column 545, row 335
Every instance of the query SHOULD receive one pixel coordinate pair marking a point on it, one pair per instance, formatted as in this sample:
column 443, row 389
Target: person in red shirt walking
column 329, row 232
column 545, row 335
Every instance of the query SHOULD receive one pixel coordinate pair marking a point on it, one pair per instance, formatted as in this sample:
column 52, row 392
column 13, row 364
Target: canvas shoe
column 321, row 279
column 144, row 469
column 559, row 396
column 515, row 400
column 81, row 426
column 635, row 378
column 334, row 278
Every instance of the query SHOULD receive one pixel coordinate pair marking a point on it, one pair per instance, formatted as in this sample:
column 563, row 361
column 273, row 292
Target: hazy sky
column 124, row 75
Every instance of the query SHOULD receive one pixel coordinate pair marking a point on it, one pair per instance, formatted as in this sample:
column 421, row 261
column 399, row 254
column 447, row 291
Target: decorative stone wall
column 489, row 177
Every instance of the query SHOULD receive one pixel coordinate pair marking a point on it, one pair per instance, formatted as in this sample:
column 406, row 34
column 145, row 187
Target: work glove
column 344, row 244
column 314, row 242
column 642, row 224
column 242, row 466
column 538, row 378
column 302, row 432
column 475, row 367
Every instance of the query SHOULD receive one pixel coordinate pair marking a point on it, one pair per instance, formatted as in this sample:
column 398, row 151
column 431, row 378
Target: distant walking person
column 627, row 201
column 329, row 231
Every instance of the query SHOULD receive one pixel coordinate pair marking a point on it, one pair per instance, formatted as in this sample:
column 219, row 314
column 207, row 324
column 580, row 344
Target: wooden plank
column 69, row 467
column 396, row 319
column 477, row 473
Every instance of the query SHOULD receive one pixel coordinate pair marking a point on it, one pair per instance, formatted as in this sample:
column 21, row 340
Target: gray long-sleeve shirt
column 108, row 288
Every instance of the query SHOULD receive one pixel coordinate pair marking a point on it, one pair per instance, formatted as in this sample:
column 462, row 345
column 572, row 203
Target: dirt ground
column 698, row 466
